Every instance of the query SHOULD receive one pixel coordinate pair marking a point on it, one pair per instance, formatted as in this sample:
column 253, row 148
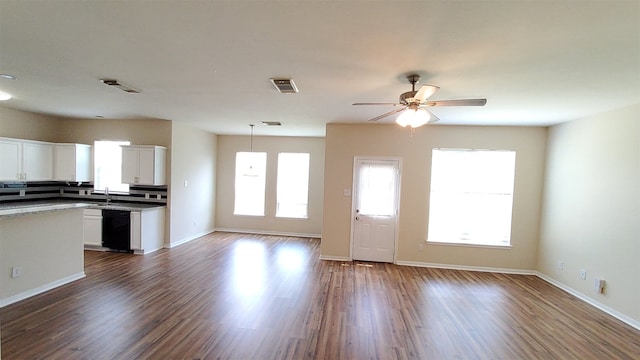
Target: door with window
column 375, row 209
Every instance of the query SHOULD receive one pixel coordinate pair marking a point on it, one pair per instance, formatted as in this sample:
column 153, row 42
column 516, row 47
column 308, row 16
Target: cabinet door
column 93, row 230
column 146, row 161
column 10, row 162
column 37, row 160
column 64, row 163
column 129, row 165
column 136, row 231
column 72, row 162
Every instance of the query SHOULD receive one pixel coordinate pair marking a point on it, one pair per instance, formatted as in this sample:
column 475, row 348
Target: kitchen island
column 41, row 247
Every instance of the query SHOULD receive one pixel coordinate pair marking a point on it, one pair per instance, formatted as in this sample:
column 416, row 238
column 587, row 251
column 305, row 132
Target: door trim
column 353, row 202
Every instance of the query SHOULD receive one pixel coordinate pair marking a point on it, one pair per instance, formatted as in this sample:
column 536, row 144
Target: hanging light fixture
column 413, row 116
column 250, row 171
column 251, row 138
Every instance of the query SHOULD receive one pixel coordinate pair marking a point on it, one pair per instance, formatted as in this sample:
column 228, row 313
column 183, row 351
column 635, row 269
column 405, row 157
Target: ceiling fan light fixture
column 4, row 96
column 413, row 117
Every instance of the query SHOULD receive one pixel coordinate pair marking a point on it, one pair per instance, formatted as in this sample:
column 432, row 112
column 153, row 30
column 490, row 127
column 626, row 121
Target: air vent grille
column 116, row 84
column 285, row 86
column 272, row 123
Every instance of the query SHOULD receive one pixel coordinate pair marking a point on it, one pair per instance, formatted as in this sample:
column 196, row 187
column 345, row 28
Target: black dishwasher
column 116, row 230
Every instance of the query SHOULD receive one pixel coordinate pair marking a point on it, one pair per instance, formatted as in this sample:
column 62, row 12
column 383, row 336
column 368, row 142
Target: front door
column 375, row 209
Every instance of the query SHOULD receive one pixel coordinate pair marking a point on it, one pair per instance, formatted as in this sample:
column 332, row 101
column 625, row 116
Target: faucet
column 106, row 194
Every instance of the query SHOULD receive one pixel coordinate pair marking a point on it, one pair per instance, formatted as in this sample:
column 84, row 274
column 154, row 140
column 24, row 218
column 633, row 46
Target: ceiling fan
column 413, row 104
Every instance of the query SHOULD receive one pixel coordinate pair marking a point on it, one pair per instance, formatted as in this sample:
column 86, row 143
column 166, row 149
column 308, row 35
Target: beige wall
column 192, row 207
column 23, row 125
column 343, row 142
column 591, row 212
column 227, row 148
column 139, row 131
column 47, row 246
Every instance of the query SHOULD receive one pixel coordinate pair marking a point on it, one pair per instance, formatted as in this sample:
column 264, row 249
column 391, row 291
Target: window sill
column 486, row 246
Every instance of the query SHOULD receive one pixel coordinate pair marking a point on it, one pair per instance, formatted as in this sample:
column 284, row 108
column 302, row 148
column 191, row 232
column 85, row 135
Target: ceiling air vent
column 272, row 123
column 285, row 86
column 116, row 84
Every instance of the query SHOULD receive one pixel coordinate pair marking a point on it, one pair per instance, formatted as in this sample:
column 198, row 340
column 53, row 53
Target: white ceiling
column 208, row 63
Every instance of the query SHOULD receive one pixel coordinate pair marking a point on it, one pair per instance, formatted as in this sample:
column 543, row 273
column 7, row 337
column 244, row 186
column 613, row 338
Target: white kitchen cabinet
column 72, row 162
column 25, row 160
column 92, row 224
column 147, row 230
column 143, row 164
column 10, row 159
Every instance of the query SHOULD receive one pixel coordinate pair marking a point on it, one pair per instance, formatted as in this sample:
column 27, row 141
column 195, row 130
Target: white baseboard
column 467, row 268
column 335, row 258
column 277, row 233
column 187, row 239
column 616, row 314
column 40, row 289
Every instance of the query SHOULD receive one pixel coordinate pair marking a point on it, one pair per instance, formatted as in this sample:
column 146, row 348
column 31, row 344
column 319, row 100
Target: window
column 293, row 185
column 108, row 166
column 471, row 196
column 250, row 183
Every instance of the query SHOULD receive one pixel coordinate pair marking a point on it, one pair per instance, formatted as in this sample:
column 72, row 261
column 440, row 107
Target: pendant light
column 251, row 171
column 251, row 138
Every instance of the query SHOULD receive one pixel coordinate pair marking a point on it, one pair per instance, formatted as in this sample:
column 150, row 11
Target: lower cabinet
column 147, row 230
column 92, row 225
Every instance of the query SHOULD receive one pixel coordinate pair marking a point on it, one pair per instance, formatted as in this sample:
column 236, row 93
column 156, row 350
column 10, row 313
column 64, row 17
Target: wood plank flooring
column 239, row 296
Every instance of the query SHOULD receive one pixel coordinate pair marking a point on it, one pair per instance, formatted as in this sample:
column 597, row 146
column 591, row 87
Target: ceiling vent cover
column 116, row 84
column 272, row 123
column 285, row 86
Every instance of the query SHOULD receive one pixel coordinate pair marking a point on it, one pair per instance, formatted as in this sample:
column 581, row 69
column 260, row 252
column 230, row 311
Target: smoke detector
column 285, row 86
column 116, row 84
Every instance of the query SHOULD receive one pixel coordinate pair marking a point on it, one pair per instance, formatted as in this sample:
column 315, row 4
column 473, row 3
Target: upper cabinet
column 72, row 162
column 25, row 160
column 143, row 164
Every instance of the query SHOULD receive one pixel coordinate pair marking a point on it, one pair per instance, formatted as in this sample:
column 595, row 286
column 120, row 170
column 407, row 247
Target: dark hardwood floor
column 238, row 296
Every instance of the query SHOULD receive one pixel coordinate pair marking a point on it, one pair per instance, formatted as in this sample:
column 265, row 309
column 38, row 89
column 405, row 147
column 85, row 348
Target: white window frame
column 111, row 163
column 250, row 183
column 292, row 188
column 471, row 197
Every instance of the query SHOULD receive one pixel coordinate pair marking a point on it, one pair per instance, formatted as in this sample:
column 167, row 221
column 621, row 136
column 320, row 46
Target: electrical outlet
column 159, row 197
column 16, row 272
column 22, row 193
column 146, row 196
column 420, row 247
column 583, row 274
column 561, row 265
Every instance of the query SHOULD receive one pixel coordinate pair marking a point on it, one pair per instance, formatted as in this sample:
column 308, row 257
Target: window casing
column 250, row 179
column 292, row 192
column 107, row 163
column 471, row 196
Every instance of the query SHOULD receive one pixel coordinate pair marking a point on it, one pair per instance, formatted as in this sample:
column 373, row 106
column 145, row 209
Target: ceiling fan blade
column 425, row 91
column 386, row 104
column 387, row 114
column 461, row 102
column 434, row 118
